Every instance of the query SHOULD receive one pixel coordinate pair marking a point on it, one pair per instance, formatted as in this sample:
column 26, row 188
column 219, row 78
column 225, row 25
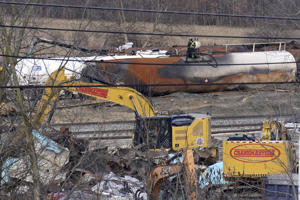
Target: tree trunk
column 123, row 21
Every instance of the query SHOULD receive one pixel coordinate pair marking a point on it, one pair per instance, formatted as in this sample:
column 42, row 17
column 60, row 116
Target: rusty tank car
column 162, row 75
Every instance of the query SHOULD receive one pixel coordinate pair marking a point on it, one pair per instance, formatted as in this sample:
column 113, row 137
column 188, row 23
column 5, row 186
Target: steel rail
column 219, row 125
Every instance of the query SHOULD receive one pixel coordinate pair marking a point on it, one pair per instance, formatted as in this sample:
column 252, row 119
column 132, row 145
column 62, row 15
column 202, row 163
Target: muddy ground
column 272, row 100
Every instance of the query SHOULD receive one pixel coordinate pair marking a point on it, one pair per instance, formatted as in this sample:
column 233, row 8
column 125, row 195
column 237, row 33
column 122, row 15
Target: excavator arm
column 121, row 95
column 187, row 126
column 159, row 173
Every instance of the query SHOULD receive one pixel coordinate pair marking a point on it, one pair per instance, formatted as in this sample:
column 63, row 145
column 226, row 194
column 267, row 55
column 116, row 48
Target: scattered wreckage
column 56, row 162
column 179, row 133
column 51, row 158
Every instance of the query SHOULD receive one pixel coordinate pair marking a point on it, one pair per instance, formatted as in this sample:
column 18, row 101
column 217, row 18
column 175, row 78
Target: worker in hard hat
column 191, row 49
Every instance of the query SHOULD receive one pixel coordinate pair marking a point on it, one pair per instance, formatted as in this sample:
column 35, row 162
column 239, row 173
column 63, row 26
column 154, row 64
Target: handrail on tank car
column 281, row 45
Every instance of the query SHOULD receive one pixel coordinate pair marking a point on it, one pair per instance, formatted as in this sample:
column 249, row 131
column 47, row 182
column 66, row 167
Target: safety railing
column 271, row 46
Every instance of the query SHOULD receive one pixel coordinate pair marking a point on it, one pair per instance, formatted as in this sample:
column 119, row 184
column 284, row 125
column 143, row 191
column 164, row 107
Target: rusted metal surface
column 236, row 67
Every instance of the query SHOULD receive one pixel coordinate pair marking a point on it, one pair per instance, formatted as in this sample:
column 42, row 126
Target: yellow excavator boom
column 121, row 95
column 178, row 132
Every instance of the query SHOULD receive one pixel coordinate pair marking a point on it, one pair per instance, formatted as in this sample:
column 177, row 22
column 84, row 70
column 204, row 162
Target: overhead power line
column 148, row 85
column 148, row 33
column 126, row 62
column 151, row 11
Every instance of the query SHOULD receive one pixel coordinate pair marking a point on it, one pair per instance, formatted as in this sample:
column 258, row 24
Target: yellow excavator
column 154, row 132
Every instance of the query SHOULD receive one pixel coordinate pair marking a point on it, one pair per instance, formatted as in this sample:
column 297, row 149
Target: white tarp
column 51, row 158
column 115, row 187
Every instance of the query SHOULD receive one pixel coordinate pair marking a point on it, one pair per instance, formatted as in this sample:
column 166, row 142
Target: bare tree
column 12, row 44
column 15, row 43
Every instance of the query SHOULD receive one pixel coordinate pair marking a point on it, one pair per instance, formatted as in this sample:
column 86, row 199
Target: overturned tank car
column 203, row 73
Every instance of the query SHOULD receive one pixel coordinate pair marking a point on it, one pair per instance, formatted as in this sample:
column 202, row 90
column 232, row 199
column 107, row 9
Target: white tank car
column 37, row 71
column 235, row 67
column 247, row 63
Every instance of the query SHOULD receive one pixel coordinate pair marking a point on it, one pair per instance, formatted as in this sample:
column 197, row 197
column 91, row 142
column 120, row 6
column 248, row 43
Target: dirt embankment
column 111, row 41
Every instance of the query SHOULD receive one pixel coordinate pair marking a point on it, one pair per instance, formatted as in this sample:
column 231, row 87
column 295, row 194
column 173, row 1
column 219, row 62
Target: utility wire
column 151, row 11
column 126, row 62
column 147, row 33
column 148, row 85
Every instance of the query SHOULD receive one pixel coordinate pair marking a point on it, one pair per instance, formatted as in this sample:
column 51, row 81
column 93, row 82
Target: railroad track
column 221, row 126
column 120, row 132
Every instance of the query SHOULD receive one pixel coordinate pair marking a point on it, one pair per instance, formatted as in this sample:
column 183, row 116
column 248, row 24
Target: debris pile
column 52, row 157
column 117, row 187
column 7, row 109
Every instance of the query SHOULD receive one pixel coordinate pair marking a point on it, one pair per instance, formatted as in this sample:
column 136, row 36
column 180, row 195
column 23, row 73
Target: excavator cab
column 173, row 132
column 154, row 132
